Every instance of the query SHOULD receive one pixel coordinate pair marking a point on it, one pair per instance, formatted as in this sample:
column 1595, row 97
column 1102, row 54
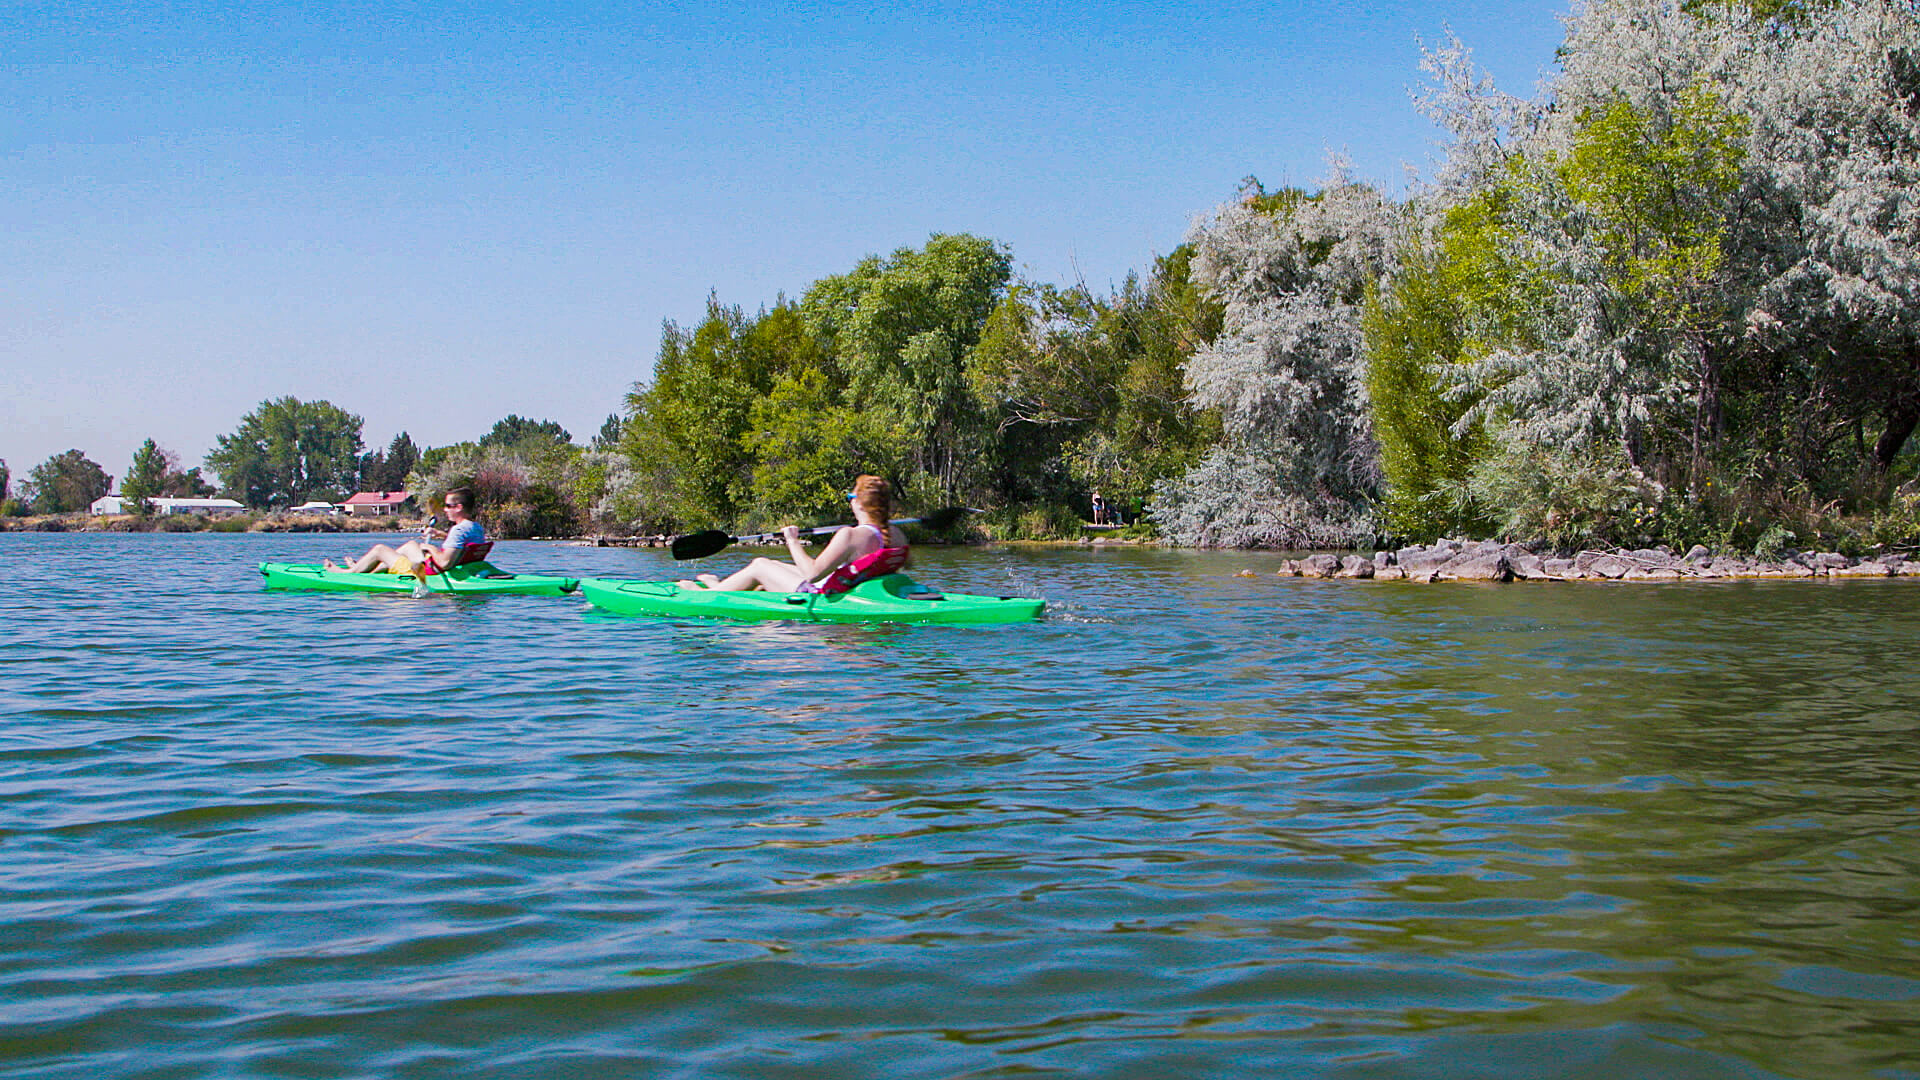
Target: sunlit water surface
column 1192, row 824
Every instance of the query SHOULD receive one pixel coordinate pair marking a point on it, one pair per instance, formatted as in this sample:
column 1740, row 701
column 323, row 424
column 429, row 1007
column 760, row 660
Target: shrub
column 1568, row 500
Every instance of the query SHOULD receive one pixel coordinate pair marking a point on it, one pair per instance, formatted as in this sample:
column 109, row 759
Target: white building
column 114, row 504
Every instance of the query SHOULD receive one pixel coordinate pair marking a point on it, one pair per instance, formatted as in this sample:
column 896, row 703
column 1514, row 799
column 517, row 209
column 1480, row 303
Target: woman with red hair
column 872, row 547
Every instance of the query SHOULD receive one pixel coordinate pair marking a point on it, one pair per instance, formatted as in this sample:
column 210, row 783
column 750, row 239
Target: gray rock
column 1829, row 560
column 1530, row 567
column 1651, row 557
column 1865, row 569
column 1698, row 553
column 1384, row 558
column 1353, row 566
column 1477, row 567
column 1389, row 573
column 1417, row 560
column 1323, row 565
column 1612, row 567
column 1559, row 567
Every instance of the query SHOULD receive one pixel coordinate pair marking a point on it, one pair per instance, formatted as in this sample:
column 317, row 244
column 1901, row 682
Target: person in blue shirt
column 462, row 530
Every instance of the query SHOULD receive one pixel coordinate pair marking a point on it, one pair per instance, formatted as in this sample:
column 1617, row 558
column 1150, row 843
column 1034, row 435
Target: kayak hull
column 469, row 579
column 892, row 598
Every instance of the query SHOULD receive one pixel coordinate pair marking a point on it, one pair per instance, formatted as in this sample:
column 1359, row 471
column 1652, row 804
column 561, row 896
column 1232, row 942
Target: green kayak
column 892, row 598
column 474, row 578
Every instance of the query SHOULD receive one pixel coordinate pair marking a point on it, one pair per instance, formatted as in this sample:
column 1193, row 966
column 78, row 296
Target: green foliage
column 1414, row 326
column 1096, row 383
column 184, row 485
column 903, row 331
column 1658, row 192
column 930, row 367
column 388, row 470
column 1777, row 12
column 688, row 430
column 514, row 497
column 1569, row 500
column 518, row 432
column 609, row 434
column 66, row 483
column 801, row 442
column 1897, row 525
column 146, row 478
column 1032, row 521
column 288, row 451
column 1773, row 543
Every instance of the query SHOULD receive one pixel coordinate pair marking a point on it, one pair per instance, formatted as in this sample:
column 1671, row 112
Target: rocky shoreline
column 1491, row 560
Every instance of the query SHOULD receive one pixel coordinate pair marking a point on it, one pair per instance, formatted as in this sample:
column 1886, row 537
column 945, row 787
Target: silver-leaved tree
column 1296, row 466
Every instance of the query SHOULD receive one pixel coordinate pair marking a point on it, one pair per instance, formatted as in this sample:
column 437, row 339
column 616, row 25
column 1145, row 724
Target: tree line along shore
column 1672, row 300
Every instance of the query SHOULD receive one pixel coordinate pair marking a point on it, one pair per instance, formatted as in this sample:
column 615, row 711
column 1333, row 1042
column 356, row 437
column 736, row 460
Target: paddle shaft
column 702, row 544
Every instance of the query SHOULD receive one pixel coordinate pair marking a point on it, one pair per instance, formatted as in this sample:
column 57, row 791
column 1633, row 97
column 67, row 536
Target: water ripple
column 1191, row 824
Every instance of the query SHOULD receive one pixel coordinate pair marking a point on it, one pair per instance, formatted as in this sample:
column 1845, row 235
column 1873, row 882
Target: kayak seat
column 468, row 553
column 877, row 564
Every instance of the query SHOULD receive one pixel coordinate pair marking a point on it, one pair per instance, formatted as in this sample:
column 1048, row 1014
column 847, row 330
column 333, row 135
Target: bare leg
column 762, row 573
column 380, row 556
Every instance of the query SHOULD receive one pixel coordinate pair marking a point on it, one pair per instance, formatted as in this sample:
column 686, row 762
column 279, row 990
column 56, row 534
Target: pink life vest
column 865, row 568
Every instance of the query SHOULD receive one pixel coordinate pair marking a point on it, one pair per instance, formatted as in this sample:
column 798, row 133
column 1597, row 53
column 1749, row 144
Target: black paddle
column 702, row 544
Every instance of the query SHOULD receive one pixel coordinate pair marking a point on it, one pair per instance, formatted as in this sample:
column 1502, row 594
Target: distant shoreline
column 215, row 523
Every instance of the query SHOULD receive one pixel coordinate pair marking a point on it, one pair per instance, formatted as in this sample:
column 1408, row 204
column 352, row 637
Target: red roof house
column 376, row 503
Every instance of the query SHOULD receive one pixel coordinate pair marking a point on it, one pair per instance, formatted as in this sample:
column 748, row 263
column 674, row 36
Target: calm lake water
column 1190, row 825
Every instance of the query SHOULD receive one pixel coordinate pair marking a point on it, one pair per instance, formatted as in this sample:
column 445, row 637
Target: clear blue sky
column 436, row 214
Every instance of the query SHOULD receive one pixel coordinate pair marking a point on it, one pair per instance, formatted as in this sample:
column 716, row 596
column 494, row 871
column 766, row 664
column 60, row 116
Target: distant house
column 314, row 508
column 196, row 506
column 115, row 504
column 376, row 503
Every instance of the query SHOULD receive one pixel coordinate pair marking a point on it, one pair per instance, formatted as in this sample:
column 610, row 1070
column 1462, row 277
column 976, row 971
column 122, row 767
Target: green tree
column 903, row 331
column 517, row 431
column 1095, row 384
column 184, row 485
column 388, row 470
column 146, row 477
column 288, row 451
column 68, row 482
column 687, row 430
column 609, row 434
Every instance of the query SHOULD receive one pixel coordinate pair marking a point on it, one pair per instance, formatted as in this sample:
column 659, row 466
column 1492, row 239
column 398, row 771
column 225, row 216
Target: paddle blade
column 700, row 545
